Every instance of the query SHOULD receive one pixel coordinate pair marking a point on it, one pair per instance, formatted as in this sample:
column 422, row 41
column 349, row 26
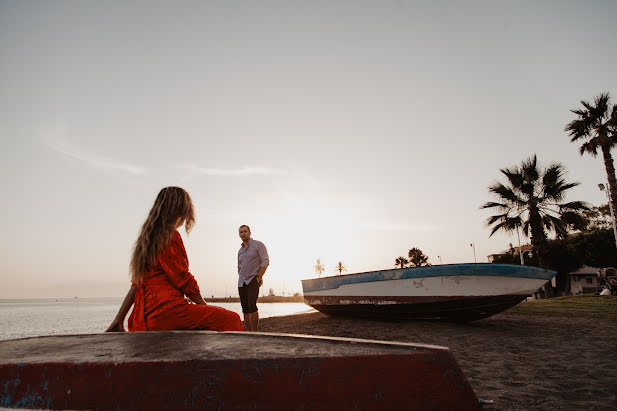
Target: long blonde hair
column 171, row 204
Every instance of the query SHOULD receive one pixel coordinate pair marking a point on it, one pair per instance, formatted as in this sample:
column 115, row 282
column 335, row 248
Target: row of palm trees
column 533, row 196
column 416, row 259
column 320, row 268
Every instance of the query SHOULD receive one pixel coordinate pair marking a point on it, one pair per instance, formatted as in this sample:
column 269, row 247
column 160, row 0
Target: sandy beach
column 517, row 360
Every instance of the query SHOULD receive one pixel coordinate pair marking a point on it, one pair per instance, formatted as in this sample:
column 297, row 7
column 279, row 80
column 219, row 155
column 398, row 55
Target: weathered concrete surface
column 202, row 369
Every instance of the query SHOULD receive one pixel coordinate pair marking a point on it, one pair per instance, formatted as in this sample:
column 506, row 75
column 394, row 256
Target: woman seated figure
column 160, row 275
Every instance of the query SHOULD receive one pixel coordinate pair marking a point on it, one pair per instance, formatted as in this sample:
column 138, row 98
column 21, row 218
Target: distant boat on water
column 452, row 292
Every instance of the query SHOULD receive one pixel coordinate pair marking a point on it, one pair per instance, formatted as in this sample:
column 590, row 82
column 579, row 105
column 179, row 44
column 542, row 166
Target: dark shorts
column 248, row 296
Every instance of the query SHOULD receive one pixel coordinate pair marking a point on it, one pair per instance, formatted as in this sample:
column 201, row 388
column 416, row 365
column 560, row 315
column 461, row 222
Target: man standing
column 252, row 264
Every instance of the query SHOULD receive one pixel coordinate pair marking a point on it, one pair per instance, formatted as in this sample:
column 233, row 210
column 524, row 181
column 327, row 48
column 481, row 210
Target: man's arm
column 264, row 262
column 117, row 325
column 260, row 274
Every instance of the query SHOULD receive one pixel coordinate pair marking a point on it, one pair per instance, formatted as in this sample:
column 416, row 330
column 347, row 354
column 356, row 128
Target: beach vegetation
column 596, row 127
column 417, row 258
column 593, row 248
column 533, row 200
column 319, row 268
column 584, row 305
column 340, row 267
column 401, row 262
column 598, row 218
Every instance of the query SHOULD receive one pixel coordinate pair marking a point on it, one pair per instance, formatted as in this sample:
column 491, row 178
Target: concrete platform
column 203, row 369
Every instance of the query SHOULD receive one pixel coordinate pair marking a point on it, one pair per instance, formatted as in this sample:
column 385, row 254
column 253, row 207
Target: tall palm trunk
column 538, row 236
column 610, row 174
column 539, row 243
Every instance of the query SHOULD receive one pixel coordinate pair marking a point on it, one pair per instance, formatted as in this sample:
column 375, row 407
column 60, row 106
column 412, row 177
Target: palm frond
column 492, row 219
column 553, row 174
column 496, row 228
column 526, row 227
column 601, row 105
column 574, row 206
column 557, row 192
column 587, row 105
column 505, row 193
column 574, row 219
column 554, row 223
column 578, row 128
column 529, row 169
column 589, row 147
column 514, row 176
column 613, row 119
column 506, row 223
column 594, row 123
column 491, row 204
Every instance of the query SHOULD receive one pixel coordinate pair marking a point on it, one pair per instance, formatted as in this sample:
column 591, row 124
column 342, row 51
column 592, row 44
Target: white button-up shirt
column 250, row 259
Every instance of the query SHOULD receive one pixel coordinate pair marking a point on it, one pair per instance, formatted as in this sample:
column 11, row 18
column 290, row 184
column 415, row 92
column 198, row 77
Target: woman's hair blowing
column 172, row 204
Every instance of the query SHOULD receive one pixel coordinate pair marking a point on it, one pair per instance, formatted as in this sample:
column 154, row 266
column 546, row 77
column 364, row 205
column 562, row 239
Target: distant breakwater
column 264, row 299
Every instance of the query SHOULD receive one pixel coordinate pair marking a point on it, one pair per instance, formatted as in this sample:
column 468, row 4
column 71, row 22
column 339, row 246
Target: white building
column 585, row 280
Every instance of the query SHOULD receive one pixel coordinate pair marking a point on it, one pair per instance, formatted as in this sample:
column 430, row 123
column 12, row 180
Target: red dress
column 160, row 303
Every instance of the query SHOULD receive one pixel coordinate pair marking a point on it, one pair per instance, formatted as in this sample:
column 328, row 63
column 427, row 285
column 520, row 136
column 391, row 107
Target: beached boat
column 453, row 292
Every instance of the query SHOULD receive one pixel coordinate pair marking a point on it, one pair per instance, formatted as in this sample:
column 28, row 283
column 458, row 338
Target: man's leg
column 253, row 321
column 242, row 292
column 253, row 293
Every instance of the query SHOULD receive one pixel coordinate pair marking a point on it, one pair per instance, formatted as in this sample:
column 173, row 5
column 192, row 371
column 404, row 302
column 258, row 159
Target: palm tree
column 402, row 261
column 597, row 126
column 340, row 268
column 319, row 268
column 533, row 199
column 417, row 257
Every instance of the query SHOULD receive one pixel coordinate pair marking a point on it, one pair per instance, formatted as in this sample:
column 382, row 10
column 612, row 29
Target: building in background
column 585, row 280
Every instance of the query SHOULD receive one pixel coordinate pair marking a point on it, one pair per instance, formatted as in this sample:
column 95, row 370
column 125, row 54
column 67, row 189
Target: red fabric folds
column 160, row 302
column 137, row 320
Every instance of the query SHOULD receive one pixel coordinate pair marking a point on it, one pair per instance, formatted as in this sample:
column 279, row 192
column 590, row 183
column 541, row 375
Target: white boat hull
column 460, row 292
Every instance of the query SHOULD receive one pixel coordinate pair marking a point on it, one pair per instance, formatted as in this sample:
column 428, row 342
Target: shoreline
column 519, row 360
column 260, row 300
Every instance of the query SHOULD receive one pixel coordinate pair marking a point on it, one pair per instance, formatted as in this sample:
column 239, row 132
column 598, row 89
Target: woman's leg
column 196, row 317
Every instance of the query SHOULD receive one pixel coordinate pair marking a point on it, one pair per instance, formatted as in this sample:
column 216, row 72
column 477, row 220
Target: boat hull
column 209, row 370
column 431, row 308
column 457, row 292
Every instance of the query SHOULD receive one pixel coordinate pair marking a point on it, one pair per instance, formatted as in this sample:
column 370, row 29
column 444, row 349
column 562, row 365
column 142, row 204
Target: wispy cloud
column 240, row 172
column 60, row 145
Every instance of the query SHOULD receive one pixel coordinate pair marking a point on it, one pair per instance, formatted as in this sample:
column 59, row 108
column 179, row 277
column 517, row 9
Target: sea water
column 34, row 317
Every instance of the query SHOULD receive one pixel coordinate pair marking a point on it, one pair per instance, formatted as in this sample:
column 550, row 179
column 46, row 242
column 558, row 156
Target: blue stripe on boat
column 482, row 269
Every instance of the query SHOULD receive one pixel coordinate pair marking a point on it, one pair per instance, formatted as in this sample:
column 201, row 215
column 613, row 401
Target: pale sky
column 341, row 130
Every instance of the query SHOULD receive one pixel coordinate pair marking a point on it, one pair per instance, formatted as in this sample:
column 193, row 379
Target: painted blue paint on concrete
column 31, row 400
column 497, row 270
column 448, row 372
column 5, row 396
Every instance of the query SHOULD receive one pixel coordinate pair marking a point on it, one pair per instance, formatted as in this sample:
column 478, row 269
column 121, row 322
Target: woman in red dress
column 160, row 275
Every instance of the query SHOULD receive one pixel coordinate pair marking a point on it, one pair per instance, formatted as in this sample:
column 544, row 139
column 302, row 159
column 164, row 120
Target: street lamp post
column 610, row 206
column 520, row 251
column 474, row 252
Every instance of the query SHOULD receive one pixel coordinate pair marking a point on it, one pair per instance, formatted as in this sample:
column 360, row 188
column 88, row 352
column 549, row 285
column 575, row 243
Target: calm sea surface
column 28, row 318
